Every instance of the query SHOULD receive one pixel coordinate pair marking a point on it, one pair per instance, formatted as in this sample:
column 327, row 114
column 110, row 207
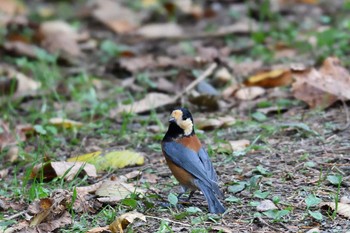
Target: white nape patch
column 186, row 125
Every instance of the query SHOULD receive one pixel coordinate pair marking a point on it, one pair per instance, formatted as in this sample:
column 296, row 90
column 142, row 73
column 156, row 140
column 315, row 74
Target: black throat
column 174, row 131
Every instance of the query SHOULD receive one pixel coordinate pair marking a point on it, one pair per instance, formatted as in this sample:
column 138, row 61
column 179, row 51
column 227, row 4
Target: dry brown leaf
column 343, row 209
column 161, row 30
column 223, row 76
column 3, row 174
column 11, row 7
column 266, row 205
column 116, row 189
column 249, row 93
column 239, row 144
column 115, row 16
column 272, row 78
column 49, row 213
column 17, row 83
column 209, row 124
column 59, row 169
column 60, row 37
column 130, row 175
column 149, row 102
column 345, row 199
column 88, row 189
column 99, row 230
column 321, row 88
column 10, row 139
column 21, row 48
column 10, row 10
column 151, row 178
column 44, row 205
column 124, row 220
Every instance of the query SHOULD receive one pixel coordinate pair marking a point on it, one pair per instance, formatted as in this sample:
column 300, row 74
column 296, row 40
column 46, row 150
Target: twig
column 166, row 219
column 16, row 215
column 204, row 75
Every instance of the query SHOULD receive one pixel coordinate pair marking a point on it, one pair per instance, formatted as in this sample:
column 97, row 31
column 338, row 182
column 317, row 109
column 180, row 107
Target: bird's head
column 182, row 118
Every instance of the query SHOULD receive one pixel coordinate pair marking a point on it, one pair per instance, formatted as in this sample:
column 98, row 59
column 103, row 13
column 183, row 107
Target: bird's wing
column 208, row 166
column 190, row 161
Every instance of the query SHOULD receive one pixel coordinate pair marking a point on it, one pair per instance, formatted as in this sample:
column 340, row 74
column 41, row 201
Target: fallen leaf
column 266, row 205
column 65, row 123
column 124, row 220
column 149, row 102
column 21, row 48
column 49, row 213
column 321, row 88
column 67, row 170
column 89, row 189
column 10, row 10
column 114, row 159
column 223, row 76
column 60, row 37
column 9, row 140
column 239, row 144
column 4, row 173
column 11, row 7
column 345, row 199
column 249, row 93
column 161, row 30
column 219, row 122
column 130, row 175
column 99, row 230
column 44, row 205
column 151, row 178
column 343, row 209
column 272, row 78
column 115, row 16
column 16, row 83
column 116, row 189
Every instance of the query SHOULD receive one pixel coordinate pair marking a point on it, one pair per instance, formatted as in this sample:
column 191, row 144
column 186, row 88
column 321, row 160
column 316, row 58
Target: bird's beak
column 172, row 119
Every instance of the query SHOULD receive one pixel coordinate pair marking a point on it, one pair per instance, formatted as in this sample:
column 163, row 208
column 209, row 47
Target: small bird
column 188, row 160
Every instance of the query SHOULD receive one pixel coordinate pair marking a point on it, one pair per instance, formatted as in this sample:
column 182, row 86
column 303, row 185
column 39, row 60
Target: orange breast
column 191, row 142
column 184, row 178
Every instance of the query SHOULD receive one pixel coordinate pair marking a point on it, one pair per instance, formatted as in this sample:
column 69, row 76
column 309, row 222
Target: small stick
column 347, row 125
column 204, row 75
column 16, row 215
column 166, row 219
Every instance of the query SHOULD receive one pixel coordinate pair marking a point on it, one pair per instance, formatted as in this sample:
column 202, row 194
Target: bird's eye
column 184, row 118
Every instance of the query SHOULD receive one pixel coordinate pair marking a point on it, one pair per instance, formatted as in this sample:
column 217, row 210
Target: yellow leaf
column 124, row 220
column 111, row 159
column 272, row 78
column 65, row 123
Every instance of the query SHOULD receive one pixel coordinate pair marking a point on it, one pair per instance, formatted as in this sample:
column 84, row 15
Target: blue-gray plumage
column 189, row 161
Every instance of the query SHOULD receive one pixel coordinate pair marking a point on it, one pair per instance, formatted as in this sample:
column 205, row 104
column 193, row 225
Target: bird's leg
column 191, row 194
column 183, row 190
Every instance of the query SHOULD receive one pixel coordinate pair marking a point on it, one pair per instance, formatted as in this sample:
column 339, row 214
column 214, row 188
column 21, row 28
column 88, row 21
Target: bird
column 188, row 160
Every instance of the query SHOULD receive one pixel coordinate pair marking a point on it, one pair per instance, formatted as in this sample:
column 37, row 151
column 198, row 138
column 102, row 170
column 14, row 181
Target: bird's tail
column 214, row 204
